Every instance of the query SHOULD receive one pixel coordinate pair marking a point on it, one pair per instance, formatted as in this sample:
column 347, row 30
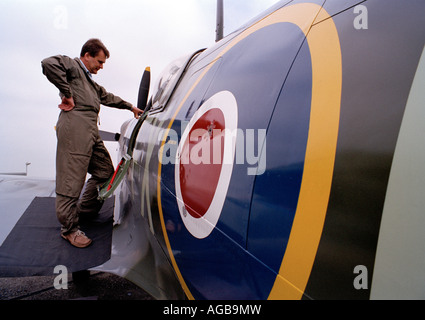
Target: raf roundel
column 204, row 163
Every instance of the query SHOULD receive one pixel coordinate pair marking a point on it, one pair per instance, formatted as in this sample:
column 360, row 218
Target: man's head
column 94, row 55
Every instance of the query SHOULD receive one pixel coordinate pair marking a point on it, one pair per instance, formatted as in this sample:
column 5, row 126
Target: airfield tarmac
column 95, row 286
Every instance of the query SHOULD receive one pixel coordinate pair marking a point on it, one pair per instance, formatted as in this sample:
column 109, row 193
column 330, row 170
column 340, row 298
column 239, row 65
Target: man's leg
column 66, row 210
column 73, row 152
column 101, row 169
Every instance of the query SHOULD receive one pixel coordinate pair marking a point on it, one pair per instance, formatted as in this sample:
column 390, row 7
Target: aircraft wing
column 16, row 194
column 30, row 233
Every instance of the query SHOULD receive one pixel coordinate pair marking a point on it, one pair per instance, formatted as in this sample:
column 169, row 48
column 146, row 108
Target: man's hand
column 137, row 112
column 67, row 104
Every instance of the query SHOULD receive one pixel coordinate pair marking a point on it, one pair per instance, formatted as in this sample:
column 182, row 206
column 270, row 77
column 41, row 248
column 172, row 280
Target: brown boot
column 77, row 239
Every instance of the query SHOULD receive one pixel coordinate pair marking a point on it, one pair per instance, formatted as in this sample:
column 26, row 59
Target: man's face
column 94, row 64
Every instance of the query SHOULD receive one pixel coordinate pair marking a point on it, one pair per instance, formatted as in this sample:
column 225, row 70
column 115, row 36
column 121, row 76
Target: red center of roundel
column 201, row 162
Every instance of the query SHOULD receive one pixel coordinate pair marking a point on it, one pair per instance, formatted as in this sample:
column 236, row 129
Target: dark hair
column 93, row 47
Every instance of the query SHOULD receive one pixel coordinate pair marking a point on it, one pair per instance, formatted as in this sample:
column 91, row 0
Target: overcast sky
column 138, row 33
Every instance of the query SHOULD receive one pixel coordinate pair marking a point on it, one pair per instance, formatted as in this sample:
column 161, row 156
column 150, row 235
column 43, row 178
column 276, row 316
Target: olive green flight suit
column 80, row 149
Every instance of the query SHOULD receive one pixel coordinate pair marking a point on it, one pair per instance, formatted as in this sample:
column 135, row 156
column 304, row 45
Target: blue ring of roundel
column 242, row 256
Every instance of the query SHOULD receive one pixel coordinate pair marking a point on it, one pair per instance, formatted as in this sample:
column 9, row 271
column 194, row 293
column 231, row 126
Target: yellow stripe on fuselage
column 319, row 162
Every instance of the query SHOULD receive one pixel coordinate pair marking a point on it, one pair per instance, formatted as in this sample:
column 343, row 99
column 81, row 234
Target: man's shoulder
column 67, row 60
column 74, row 63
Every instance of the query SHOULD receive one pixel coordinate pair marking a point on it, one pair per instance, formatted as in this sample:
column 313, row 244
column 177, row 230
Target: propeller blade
column 144, row 89
column 109, row 136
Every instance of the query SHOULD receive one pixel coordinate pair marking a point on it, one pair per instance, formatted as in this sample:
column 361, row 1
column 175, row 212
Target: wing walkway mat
column 34, row 247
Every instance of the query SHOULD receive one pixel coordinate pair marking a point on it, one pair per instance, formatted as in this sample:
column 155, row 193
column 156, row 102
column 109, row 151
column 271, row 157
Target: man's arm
column 137, row 112
column 67, row 104
column 55, row 69
column 110, row 100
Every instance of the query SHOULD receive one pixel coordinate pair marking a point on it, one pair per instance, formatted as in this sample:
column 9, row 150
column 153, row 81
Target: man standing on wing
column 79, row 148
